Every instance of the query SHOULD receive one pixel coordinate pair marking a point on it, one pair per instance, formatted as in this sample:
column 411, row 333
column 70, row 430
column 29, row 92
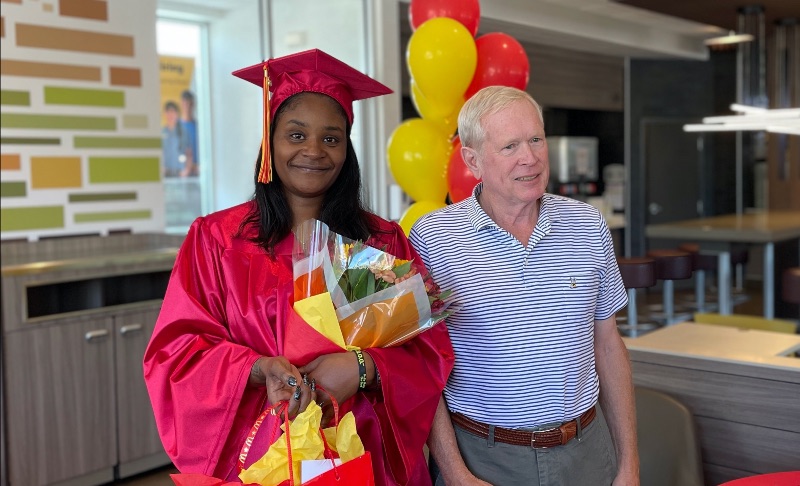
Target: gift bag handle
column 328, row 451
column 278, row 409
column 282, row 409
column 334, row 404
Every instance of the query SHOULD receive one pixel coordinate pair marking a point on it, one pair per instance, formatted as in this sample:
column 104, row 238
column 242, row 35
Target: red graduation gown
column 225, row 306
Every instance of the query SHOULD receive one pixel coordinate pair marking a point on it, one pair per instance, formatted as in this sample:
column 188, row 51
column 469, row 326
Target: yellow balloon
column 441, row 57
column 418, row 153
column 416, row 211
column 443, row 114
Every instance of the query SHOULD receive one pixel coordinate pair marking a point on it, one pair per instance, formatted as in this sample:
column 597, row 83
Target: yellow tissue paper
column 306, row 443
column 319, row 313
column 344, row 440
column 273, row 468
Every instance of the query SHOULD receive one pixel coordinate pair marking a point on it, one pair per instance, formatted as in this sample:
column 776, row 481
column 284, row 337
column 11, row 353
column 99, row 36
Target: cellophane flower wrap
column 378, row 300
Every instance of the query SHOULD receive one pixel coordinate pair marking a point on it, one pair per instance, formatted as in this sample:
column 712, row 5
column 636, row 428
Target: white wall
column 234, row 42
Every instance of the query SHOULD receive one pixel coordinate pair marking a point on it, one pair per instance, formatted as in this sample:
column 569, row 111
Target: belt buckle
column 533, row 437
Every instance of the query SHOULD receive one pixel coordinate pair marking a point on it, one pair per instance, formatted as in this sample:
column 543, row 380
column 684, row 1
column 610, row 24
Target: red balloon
column 460, row 181
column 468, row 12
column 502, row 61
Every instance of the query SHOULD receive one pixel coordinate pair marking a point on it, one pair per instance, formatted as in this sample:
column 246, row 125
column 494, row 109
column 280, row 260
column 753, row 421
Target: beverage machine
column 574, row 168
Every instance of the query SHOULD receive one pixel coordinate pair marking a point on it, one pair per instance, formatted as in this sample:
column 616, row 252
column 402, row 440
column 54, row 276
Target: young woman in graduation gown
column 215, row 360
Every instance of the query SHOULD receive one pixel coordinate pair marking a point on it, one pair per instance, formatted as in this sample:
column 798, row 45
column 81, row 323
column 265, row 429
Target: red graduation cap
column 311, row 70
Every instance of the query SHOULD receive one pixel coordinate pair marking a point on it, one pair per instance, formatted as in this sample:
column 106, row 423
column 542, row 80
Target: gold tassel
column 265, row 172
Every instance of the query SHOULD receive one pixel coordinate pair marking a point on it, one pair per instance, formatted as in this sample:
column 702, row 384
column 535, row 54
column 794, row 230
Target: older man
column 536, row 343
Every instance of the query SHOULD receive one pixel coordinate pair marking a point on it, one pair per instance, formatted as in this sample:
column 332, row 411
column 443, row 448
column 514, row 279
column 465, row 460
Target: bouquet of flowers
column 359, row 296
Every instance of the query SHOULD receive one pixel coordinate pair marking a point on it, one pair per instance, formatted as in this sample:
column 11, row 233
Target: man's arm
column 444, row 449
column 616, row 398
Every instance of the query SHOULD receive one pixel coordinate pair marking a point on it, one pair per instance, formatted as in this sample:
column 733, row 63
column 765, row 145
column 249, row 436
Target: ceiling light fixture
column 740, row 108
column 752, row 118
column 726, row 40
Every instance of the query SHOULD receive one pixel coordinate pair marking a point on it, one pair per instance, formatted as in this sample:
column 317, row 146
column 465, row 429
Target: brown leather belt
column 545, row 438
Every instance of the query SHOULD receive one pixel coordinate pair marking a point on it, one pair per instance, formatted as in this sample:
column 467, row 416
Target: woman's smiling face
column 309, row 145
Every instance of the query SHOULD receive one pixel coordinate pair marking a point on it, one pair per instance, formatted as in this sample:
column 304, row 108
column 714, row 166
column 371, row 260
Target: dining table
column 716, row 235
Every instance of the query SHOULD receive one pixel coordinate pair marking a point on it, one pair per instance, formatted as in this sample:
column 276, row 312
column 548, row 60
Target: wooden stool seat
column 672, row 264
column 637, row 272
column 701, row 261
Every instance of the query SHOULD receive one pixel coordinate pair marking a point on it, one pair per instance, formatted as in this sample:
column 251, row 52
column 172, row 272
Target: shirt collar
column 548, row 212
column 477, row 216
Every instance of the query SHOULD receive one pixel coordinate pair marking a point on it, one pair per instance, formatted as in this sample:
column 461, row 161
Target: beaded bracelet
column 362, row 369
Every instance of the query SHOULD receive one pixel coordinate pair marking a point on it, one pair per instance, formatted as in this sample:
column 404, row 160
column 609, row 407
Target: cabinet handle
column 130, row 328
column 96, row 335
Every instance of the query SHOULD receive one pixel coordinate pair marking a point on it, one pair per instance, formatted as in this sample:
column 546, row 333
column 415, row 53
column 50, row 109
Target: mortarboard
column 311, row 70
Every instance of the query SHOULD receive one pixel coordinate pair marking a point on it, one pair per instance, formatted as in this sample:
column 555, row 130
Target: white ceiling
column 598, row 26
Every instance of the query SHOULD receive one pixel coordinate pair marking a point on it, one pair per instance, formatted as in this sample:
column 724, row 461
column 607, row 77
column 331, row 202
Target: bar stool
column 791, row 285
column 739, row 258
column 671, row 265
column 637, row 273
column 701, row 264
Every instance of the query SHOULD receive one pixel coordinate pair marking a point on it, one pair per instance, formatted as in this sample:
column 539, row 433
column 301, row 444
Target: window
column 184, row 161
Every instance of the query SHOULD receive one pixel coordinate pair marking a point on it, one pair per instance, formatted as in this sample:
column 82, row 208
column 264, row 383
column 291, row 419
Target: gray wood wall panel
column 19, row 252
column 752, row 370
column 747, row 415
column 748, row 447
column 766, row 403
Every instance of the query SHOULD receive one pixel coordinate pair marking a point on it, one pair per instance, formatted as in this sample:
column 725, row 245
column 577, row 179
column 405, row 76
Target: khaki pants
column 588, row 459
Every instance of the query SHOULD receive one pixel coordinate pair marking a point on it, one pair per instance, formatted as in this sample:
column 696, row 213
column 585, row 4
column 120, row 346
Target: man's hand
column 467, row 479
column 626, row 479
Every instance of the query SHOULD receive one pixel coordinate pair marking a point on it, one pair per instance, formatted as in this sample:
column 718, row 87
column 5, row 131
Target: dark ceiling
column 721, row 13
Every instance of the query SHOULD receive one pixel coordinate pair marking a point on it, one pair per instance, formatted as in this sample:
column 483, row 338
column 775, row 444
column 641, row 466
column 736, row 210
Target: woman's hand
column 283, row 382
column 337, row 373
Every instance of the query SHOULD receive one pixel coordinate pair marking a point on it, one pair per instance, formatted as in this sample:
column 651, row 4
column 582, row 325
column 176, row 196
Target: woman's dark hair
column 342, row 208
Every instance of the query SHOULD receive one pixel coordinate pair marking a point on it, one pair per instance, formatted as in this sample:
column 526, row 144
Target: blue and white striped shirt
column 523, row 333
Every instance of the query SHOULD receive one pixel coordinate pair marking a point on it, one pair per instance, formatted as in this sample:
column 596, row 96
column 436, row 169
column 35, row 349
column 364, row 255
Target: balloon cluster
column 447, row 65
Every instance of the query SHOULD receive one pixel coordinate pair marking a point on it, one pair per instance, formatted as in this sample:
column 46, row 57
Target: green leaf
column 359, row 279
column 402, row 270
column 344, row 284
column 370, row 284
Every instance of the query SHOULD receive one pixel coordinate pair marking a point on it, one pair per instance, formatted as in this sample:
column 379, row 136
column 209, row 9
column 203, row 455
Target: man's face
column 512, row 161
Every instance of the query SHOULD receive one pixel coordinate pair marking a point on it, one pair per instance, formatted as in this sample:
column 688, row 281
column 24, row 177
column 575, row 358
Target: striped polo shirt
column 523, row 331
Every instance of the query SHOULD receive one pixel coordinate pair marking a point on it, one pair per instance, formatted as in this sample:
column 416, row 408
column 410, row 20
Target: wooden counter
column 743, row 387
column 78, row 313
column 763, row 227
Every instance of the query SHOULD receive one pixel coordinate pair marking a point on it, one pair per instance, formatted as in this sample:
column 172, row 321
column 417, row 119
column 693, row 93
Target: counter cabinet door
column 60, row 402
column 139, row 444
